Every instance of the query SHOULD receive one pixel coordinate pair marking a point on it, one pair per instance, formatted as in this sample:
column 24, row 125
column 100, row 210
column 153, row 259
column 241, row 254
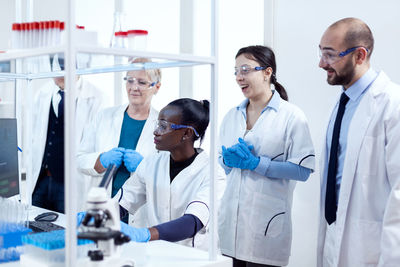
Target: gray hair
column 155, row 74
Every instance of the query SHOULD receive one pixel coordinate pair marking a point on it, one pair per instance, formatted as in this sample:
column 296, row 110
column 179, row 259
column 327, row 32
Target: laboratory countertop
column 152, row 254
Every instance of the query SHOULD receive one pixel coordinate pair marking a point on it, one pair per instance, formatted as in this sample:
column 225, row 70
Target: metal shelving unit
column 162, row 60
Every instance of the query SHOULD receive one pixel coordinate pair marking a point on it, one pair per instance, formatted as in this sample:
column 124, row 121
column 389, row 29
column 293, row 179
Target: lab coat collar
column 360, row 86
column 79, row 92
column 273, row 103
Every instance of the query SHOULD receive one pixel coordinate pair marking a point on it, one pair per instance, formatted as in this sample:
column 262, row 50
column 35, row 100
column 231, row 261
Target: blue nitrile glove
column 250, row 162
column 230, row 159
column 136, row 234
column 236, row 154
column 79, row 217
column 112, row 157
column 132, row 159
column 245, row 144
column 240, row 149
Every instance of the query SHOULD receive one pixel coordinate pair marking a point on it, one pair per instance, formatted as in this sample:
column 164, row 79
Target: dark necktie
column 61, row 104
column 330, row 198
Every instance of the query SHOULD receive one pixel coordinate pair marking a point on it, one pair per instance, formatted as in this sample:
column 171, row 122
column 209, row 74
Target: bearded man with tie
column 360, row 166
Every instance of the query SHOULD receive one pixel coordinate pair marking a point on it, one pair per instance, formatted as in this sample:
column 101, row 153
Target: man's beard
column 345, row 77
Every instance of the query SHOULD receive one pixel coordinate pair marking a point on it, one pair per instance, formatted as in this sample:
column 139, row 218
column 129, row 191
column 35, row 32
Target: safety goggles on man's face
column 140, row 83
column 330, row 56
column 163, row 127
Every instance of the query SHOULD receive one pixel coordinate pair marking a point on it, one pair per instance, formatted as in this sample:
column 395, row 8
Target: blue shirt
column 130, row 133
column 355, row 93
column 267, row 167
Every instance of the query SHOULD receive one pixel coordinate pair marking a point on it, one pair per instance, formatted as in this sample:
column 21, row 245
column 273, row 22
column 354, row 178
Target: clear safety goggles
column 163, row 127
column 330, row 56
column 140, row 83
column 246, row 69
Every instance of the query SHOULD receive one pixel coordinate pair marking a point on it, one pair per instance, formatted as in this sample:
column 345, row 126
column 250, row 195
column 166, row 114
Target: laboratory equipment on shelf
column 137, row 39
column 46, row 33
column 131, row 39
column 101, row 224
column 36, row 34
column 120, row 39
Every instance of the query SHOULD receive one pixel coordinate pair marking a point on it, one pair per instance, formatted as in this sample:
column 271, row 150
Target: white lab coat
column 88, row 102
column 189, row 192
column 255, row 215
column 368, row 220
column 103, row 134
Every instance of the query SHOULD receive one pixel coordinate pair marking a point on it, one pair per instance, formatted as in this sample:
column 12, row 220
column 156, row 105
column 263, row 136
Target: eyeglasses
column 140, row 83
column 330, row 56
column 246, row 69
column 163, row 127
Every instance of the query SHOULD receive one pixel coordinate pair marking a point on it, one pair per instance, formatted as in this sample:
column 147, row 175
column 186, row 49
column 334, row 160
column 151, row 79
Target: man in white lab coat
column 359, row 212
column 47, row 186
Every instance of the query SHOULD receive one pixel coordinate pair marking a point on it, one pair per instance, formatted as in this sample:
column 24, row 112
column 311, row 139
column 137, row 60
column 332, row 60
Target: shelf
column 94, row 60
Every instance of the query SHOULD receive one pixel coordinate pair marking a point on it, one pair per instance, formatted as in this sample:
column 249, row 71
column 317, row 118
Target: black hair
column 266, row 58
column 194, row 113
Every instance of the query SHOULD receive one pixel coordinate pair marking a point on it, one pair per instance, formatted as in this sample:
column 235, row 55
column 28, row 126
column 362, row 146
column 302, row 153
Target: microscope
column 101, row 224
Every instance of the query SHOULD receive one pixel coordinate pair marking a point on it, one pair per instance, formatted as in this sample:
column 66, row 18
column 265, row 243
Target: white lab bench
column 158, row 253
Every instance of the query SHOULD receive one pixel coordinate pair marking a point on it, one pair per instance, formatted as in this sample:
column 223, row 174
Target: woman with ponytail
column 175, row 182
column 266, row 148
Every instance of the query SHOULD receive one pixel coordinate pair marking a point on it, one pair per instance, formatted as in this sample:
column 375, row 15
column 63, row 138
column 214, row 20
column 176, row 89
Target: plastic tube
column 137, row 39
column 16, row 36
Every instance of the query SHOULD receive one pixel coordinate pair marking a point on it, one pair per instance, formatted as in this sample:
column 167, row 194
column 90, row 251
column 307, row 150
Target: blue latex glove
column 240, row 156
column 132, row 159
column 230, row 159
column 112, row 157
column 241, row 149
column 136, row 234
column 250, row 162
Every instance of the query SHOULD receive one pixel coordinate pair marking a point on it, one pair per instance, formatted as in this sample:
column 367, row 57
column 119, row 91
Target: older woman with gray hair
column 122, row 135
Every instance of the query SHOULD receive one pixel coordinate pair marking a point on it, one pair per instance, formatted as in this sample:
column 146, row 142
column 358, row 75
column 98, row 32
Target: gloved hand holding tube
column 136, row 234
column 132, row 159
column 240, row 156
column 114, row 156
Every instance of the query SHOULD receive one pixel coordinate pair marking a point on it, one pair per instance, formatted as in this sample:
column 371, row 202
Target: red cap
column 57, row 24
column 123, row 34
column 52, row 24
column 62, row 25
column 24, row 26
column 41, row 25
column 138, row 32
column 31, row 25
column 35, row 25
column 16, row 27
column 80, row 27
column 46, row 24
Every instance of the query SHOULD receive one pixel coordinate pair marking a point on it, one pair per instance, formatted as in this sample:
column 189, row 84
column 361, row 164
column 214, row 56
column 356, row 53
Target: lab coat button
column 50, row 143
column 53, row 132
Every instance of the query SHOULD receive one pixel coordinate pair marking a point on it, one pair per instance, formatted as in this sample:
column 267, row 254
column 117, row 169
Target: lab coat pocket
column 268, row 215
column 366, row 241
